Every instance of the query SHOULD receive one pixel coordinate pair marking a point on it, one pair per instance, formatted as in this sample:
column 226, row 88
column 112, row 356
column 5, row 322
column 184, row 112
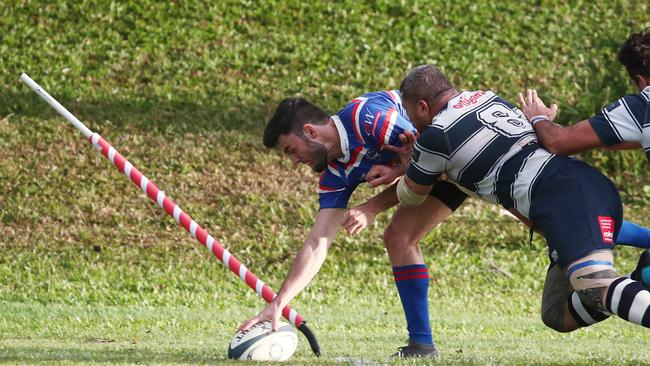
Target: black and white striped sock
column 629, row 300
column 582, row 315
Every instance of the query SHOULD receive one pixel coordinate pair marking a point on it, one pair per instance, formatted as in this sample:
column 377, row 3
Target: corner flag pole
column 173, row 210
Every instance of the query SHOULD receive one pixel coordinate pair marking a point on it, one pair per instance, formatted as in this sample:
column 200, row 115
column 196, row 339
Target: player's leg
column 599, row 285
column 637, row 236
column 562, row 309
column 401, row 237
column 580, row 221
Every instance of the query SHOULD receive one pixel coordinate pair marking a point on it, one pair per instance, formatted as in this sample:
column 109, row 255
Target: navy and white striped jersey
column 484, row 144
column 625, row 120
column 365, row 125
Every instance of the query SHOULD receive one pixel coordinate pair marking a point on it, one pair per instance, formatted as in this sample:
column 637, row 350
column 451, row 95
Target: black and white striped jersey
column 484, row 144
column 627, row 119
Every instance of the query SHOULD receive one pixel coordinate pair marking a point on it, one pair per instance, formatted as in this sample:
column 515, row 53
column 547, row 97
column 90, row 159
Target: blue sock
column 412, row 283
column 633, row 235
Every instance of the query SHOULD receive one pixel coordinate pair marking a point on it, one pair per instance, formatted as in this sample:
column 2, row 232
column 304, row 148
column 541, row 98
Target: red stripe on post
column 136, row 176
column 251, row 280
column 267, row 293
column 152, row 191
column 168, row 206
column 185, row 221
column 202, row 235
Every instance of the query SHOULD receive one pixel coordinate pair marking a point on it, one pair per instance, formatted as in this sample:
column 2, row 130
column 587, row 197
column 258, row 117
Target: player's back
column 486, row 145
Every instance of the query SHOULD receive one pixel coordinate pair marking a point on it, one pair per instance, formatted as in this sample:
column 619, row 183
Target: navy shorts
column 577, row 208
column 448, row 194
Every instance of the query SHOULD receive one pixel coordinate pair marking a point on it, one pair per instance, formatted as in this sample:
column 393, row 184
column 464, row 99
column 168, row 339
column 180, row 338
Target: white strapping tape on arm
column 406, row 196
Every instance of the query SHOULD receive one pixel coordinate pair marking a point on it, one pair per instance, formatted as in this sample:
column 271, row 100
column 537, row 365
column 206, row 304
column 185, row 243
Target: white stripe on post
column 208, row 242
column 177, row 213
column 242, row 272
column 259, row 285
column 127, row 169
column 111, row 154
column 226, row 257
column 160, row 198
column 193, row 226
column 292, row 316
column 143, row 184
column 95, row 139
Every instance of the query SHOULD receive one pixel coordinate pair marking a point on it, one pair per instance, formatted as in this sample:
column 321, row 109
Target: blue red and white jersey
column 365, row 125
column 627, row 119
column 484, row 144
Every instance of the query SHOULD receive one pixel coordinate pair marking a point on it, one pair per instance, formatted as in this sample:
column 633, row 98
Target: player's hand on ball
column 271, row 312
column 532, row 106
column 358, row 218
column 383, row 174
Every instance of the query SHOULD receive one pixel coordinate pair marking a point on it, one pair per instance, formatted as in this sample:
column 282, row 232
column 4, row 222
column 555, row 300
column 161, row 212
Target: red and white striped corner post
column 173, row 210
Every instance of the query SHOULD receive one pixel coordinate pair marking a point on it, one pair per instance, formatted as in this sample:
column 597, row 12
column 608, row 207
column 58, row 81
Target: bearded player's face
column 302, row 150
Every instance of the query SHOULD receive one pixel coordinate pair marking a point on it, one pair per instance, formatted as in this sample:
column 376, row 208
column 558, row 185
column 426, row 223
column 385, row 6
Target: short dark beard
column 317, row 154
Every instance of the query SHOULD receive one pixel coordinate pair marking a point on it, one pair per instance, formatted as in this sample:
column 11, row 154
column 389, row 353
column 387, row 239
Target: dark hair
column 635, row 54
column 424, row 82
column 290, row 116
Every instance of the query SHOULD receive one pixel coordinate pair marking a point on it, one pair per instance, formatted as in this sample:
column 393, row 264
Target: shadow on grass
column 146, row 112
column 108, row 354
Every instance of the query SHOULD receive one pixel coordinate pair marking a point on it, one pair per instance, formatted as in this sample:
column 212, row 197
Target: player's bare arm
column 556, row 138
column 359, row 217
column 307, row 263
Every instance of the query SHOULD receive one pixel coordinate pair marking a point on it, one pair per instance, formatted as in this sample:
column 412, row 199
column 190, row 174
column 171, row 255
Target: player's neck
column 441, row 101
column 333, row 141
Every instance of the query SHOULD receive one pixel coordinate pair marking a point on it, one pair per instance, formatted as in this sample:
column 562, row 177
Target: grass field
column 91, row 272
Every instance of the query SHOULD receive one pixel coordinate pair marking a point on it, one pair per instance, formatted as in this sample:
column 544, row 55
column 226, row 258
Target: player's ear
column 641, row 81
column 423, row 107
column 310, row 130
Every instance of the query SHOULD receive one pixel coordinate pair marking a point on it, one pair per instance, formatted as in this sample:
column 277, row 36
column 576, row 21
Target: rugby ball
column 261, row 343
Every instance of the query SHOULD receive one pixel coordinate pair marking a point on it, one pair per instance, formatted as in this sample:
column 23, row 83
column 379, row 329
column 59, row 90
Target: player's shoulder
column 459, row 106
column 381, row 99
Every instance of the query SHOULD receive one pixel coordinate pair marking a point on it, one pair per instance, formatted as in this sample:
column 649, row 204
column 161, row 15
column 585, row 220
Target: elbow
column 557, row 145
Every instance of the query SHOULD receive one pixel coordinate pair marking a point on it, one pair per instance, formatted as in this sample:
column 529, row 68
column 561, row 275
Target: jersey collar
column 343, row 137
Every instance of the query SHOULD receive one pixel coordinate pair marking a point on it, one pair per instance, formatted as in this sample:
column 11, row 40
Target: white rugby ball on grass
column 261, row 343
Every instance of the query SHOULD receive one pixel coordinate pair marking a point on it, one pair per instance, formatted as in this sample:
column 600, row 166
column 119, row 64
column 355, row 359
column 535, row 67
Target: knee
column 395, row 239
column 557, row 321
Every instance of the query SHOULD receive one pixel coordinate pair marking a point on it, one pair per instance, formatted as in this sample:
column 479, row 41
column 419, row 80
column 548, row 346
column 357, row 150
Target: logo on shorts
column 606, row 228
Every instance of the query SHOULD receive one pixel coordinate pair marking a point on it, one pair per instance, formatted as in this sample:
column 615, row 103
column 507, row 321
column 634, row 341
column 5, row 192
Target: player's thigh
column 412, row 223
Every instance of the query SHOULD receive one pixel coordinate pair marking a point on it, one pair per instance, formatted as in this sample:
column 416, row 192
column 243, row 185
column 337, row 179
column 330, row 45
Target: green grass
column 91, row 272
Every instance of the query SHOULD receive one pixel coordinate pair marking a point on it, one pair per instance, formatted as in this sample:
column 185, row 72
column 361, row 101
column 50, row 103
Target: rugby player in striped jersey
column 484, row 144
column 624, row 124
column 343, row 147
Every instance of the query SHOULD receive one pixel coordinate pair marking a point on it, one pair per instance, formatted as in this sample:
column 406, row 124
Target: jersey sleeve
column 430, row 157
column 332, row 191
column 378, row 122
column 620, row 121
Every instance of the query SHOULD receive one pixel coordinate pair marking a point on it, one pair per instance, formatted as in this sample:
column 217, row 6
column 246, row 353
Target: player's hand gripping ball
column 261, row 343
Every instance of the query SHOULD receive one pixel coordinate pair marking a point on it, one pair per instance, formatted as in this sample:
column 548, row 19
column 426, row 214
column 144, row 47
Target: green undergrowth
column 92, row 272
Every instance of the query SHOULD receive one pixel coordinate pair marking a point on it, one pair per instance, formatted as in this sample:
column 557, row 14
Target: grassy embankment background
column 91, row 271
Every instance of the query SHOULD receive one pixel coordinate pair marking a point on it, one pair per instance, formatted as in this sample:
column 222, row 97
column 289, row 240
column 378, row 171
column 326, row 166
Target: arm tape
column 406, row 196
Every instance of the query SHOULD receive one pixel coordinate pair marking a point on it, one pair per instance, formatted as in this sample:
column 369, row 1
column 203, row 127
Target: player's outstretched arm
column 359, row 217
column 309, row 259
column 555, row 138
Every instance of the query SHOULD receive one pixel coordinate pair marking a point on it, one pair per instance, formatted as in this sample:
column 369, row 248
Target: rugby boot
column 642, row 271
column 415, row 350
